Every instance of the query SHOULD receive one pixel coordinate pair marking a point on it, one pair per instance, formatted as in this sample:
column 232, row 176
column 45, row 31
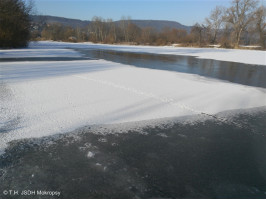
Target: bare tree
column 145, row 34
column 197, row 32
column 260, row 25
column 148, row 35
column 124, row 24
column 112, row 35
column 239, row 15
column 214, row 22
column 134, row 32
column 97, row 28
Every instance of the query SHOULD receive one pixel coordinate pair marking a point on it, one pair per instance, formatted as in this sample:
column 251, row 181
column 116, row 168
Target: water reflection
column 252, row 75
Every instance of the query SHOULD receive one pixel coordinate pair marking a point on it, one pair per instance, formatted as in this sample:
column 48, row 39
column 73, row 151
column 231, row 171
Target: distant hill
column 158, row 25
column 59, row 20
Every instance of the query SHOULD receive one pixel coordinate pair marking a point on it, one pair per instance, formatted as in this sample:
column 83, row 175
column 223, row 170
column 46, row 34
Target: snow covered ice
column 24, row 53
column 49, row 97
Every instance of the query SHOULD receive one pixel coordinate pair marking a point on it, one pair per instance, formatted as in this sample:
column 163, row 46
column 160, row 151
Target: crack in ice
column 169, row 101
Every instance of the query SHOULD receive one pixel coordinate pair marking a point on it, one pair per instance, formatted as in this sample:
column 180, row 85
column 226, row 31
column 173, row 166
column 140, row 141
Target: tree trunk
column 238, row 35
column 262, row 40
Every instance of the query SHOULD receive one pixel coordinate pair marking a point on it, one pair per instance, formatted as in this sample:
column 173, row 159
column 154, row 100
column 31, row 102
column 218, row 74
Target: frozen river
column 90, row 121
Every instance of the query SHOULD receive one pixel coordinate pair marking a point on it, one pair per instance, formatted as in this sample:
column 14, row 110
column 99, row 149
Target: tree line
column 241, row 23
column 102, row 30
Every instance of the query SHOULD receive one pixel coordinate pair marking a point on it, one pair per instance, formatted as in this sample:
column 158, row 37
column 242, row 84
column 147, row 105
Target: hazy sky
column 187, row 12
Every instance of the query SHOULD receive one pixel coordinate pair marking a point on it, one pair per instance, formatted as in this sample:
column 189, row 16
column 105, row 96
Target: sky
column 186, row 12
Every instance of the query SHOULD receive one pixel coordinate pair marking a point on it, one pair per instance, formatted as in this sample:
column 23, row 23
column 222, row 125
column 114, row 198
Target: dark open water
column 245, row 74
column 207, row 159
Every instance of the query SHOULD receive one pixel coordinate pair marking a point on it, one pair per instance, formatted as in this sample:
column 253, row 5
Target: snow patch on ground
column 57, row 97
column 255, row 57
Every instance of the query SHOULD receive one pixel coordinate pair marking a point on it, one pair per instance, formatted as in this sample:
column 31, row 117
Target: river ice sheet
column 45, row 98
column 25, row 53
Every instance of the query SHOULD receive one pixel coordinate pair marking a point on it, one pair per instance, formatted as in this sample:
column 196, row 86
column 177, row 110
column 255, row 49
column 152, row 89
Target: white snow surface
column 49, row 97
column 26, row 53
column 45, row 98
column 255, row 57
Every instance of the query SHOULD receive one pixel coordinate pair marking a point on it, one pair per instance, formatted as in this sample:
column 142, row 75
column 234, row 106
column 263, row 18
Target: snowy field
column 47, row 97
